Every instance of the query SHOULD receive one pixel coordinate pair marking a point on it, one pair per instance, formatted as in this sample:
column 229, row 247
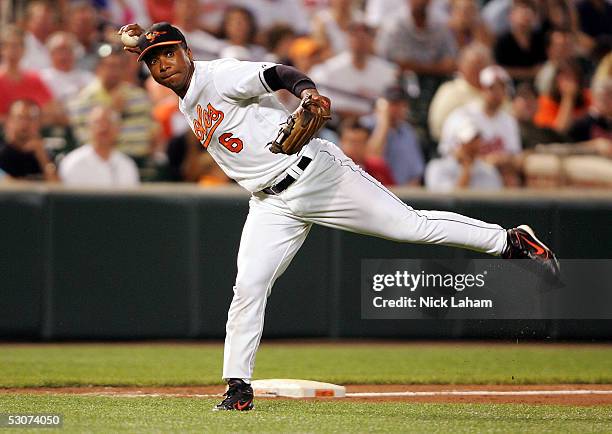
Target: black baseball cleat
column 523, row 244
column 239, row 396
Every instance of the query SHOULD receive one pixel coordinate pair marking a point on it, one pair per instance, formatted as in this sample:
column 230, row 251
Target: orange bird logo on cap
column 152, row 36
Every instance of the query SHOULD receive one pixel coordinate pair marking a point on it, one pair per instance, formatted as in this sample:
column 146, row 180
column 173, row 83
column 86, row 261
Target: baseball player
column 295, row 181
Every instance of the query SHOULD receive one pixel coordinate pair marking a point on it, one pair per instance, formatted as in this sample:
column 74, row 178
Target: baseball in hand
column 129, row 40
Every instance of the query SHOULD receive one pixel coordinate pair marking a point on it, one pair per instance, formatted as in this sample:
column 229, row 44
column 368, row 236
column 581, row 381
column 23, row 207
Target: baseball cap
column 157, row 35
column 491, row 74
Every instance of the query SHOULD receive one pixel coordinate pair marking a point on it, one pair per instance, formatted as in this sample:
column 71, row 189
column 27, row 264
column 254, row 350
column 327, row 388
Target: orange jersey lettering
column 206, row 123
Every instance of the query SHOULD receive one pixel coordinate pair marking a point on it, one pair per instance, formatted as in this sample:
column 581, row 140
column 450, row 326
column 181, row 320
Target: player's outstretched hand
column 132, row 30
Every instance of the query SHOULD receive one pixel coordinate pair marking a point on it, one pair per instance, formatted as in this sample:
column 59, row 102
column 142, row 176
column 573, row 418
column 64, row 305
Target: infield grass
column 153, row 414
column 167, row 364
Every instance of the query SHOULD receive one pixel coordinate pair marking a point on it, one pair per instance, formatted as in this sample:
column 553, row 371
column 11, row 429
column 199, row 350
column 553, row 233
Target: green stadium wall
column 159, row 262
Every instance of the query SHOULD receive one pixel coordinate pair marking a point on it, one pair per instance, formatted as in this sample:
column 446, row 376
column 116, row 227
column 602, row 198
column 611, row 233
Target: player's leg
column 338, row 193
column 270, row 239
column 341, row 195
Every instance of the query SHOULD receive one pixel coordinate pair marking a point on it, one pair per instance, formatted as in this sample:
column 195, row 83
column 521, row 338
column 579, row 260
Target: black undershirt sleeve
column 287, row 77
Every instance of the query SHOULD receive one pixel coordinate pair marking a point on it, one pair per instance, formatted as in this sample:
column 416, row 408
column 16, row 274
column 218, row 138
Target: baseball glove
column 302, row 125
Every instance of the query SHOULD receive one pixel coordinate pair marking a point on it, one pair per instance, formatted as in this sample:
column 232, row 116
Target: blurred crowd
column 447, row 94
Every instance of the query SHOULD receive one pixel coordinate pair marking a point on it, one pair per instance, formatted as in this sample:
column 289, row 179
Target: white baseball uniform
column 234, row 114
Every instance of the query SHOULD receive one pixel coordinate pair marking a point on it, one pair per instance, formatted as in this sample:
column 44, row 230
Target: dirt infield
column 558, row 394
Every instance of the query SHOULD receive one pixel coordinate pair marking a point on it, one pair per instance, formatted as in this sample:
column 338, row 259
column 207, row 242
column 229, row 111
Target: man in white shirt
column 500, row 135
column 464, row 169
column 62, row 78
column 99, row 164
column 39, row 25
column 463, row 89
column 354, row 79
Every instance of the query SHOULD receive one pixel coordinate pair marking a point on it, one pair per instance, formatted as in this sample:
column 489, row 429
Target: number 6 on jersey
column 233, row 144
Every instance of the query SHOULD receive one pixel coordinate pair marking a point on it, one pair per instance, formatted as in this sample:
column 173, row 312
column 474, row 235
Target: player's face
column 170, row 66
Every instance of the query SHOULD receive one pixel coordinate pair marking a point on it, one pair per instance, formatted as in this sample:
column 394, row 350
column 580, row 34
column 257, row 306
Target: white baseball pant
column 335, row 192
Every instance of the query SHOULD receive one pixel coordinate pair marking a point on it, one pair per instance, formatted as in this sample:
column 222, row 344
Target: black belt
column 283, row 184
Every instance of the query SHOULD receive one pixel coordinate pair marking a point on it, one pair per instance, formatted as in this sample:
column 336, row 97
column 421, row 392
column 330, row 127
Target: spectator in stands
column 331, row 25
column 597, row 124
column 464, row 168
column 184, row 152
column 98, row 163
column 165, row 110
column 127, row 11
column 204, row 46
column 161, row 10
column 82, row 22
column 595, row 17
column 130, row 101
column 466, row 25
column 279, row 39
column 63, row 79
column 211, row 14
column 394, row 139
column 563, row 15
column 559, row 15
column 238, row 31
column 279, row 42
column 355, row 78
column 65, row 82
column 463, row 89
column 304, row 53
column 354, row 137
column 22, row 154
column 522, row 49
column 499, row 133
column 594, row 134
column 567, row 100
column 15, row 82
column 270, row 12
column 524, row 108
column 417, row 43
column 189, row 162
column 39, row 25
column 423, row 46
column 495, row 15
column 377, row 11
column 586, row 162
column 560, row 48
